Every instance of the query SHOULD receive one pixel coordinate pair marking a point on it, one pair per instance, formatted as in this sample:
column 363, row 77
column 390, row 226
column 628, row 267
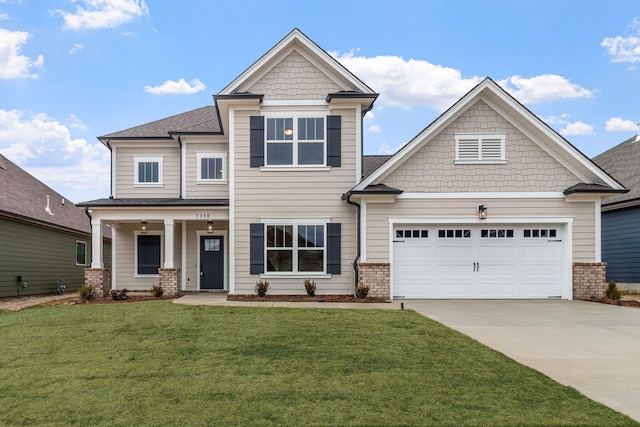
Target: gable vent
column 491, row 148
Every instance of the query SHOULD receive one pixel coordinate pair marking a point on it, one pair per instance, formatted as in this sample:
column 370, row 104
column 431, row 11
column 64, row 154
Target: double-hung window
column 474, row 148
column 295, row 141
column 81, row 253
column 211, row 168
column 148, row 254
column 147, row 171
column 295, row 248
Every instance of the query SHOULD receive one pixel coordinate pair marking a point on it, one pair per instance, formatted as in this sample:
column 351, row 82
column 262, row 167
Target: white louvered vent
column 480, row 148
column 492, row 149
column 467, row 149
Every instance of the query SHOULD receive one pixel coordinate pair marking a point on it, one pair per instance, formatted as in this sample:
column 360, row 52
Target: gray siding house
column 43, row 237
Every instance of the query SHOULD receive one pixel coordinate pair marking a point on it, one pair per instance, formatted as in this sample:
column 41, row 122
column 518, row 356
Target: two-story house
column 486, row 202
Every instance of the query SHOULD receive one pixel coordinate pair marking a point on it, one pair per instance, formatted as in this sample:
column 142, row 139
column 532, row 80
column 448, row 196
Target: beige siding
column 293, row 78
column 124, row 172
column 195, row 190
column 583, row 214
column 293, row 194
column 528, row 167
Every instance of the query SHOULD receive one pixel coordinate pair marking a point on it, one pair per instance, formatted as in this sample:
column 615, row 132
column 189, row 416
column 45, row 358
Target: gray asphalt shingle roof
column 623, row 163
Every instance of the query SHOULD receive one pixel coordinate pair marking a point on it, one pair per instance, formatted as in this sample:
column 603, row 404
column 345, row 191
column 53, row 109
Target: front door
column 211, row 262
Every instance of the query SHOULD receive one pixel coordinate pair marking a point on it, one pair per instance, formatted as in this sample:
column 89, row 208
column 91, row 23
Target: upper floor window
column 148, row 171
column 480, row 148
column 295, row 141
column 211, row 167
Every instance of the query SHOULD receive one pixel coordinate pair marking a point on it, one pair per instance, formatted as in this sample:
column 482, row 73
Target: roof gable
column 520, row 117
column 622, row 162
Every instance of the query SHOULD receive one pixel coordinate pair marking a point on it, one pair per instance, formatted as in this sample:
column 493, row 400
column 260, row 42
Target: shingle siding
column 621, row 244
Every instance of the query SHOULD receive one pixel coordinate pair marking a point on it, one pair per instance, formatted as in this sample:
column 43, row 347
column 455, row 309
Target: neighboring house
column 43, row 237
column 621, row 213
column 270, row 184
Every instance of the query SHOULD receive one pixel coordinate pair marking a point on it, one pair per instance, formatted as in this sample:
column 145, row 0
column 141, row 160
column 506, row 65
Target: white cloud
column 100, row 14
column 181, row 87
column 13, row 65
column 4, row 16
column 409, row 83
column 374, row 128
column 546, row 87
column 76, row 48
column 385, row 148
column 76, row 123
column 618, row 124
column 46, row 149
column 624, row 49
column 577, row 128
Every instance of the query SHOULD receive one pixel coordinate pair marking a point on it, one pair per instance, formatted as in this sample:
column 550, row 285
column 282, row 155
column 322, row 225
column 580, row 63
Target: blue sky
column 72, row 70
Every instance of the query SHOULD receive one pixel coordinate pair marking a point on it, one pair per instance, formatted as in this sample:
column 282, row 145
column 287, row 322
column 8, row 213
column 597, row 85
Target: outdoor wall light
column 482, row 212
column 144, row 227
column 210, row 227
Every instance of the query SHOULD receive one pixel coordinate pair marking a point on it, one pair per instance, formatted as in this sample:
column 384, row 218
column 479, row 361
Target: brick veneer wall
column 169, row 280
column 589, row 280
column 100, row 279
column 376, row 276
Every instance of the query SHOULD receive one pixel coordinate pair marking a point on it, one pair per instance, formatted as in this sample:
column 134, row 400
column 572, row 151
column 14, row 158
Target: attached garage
column 490, row 261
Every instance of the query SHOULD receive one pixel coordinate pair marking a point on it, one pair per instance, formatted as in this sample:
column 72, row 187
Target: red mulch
column 623, row 302
column 303, row 298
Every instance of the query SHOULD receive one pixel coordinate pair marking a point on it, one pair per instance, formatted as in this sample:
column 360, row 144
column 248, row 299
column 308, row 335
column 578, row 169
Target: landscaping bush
column 362, row 291
column 157, row 291
column 118, row 294
column 612, row 291
column 262, row 286
column 310, row 287
column 87, row 292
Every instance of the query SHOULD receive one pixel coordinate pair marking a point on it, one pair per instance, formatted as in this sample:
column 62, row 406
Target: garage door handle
column 478, row 266
column 475, row 266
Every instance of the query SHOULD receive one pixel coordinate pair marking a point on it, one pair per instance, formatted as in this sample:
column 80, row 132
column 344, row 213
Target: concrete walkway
column 594, row 348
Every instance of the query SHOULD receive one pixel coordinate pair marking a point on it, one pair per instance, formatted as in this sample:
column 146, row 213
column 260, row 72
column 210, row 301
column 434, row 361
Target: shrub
column 362, row 291
column 310, row 287
column 87, row 292
column 119, row 294
column 262, row 286
column 612, row 291
column 157, row 291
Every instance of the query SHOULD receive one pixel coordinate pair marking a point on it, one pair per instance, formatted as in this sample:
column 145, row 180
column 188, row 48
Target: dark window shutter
column 256, row 248
column 334, row 252
column 334, row 140
column 256, row 141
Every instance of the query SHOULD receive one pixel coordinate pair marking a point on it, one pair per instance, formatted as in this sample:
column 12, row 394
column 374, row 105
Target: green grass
column 163, row 364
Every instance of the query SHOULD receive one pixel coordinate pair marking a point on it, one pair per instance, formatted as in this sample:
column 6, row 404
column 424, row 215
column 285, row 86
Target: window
column 148, row 171
column 496, row 233
column 412, row 234
column 540, row 233
column 295, row 248
column 211, row 167
column 81, row 253
column 480, row 148
column 454, row 234
column 295, row 141
column 149, row 251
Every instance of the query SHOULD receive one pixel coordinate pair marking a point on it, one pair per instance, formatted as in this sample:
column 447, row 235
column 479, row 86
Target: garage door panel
column 454, row 290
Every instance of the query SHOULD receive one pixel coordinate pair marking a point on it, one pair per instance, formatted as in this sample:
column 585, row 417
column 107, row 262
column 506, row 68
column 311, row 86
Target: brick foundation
column 376, row 275
column 589, row 280
column 169, row 280
column 100, row 279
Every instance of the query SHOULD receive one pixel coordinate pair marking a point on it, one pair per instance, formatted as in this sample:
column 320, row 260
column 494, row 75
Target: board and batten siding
column 195, row 190
column 293, row 194
column 621, row 244
column 42, row 256
column 124, row 173
column 378, row 215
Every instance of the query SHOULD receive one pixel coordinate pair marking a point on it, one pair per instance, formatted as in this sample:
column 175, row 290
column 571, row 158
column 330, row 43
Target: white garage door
column 496, row 261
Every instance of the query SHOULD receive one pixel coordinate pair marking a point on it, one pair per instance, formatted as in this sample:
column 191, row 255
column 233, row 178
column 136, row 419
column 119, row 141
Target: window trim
column 85, row 253
column 295, row 116
column 137, row 233
column 479, row 137
column 147, row 159
column 210, row 155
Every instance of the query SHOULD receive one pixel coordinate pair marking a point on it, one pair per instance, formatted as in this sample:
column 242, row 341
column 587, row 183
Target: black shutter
column 334, row 140
column 256, row 141
column 334, row 231
column 256, row 248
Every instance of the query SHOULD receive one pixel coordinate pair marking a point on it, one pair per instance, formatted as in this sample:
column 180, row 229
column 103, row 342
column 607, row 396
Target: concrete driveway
column 594, row 348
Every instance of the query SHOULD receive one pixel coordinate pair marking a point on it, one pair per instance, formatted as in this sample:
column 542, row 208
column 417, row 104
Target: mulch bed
column 304, row 298
column 130, row 298
column 623, row 302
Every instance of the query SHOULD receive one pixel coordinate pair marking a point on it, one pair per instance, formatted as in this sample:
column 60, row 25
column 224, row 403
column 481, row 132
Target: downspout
column 110, row 170
column 347, row 198
column 86, row 211
column 180, row 144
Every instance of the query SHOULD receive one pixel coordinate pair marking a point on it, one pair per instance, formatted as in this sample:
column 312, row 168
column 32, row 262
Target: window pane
column 217, row 168
column 280, row 260
column 302, row 129
column 148, row 172
column 148, row 254
column 311, row 153
column 81, row 250
column 279, row 154
column 319, row 128
column 310, row 260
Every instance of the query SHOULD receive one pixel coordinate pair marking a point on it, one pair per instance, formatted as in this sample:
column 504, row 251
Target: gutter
column 110, row 169
column 86, row 211
column 347, row 198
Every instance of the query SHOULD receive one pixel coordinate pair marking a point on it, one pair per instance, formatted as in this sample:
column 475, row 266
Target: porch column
column 168, row 243
column 96, row 243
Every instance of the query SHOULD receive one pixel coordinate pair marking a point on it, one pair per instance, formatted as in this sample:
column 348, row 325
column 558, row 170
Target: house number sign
column 203, row 216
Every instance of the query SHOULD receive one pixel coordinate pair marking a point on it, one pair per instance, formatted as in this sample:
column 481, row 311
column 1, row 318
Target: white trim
column 294, row 103
column 479, row 138
column 114, row 251
column 183, row 260
column 113, row 171
column 169, row 247
column 295, row 221
column 148, row 159
column 296, row 168
column 210, row 155
column 137, row 233
column 359, row 120
column 487, row 195
column 232, row 203
column 183, row 169
column 295, row 116
column 363, row 231
column 598, row 220
column 295, row 248
column 225, row 255
column 96, row 243
column 306, row 275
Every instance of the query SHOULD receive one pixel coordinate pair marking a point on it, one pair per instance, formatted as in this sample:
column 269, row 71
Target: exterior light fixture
column 210, row 227
column 482, row 212
column 144, row 227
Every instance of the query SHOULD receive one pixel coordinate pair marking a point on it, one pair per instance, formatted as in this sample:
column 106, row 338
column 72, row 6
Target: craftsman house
column 486, row 202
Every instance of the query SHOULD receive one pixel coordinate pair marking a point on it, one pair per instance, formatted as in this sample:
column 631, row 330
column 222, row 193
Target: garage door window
column 412, row 234
column 496, row 234
column 538, row 233
column 454, row 234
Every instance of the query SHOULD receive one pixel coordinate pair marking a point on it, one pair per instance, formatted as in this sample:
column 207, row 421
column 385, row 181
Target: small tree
column 310, row 287
column 262, row 286
column 612, row 291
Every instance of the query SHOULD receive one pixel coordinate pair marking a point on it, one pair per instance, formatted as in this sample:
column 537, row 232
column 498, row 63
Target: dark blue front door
column 211, row 262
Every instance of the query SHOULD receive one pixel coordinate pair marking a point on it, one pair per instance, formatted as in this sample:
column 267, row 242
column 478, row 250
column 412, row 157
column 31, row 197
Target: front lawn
column 162, row 364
